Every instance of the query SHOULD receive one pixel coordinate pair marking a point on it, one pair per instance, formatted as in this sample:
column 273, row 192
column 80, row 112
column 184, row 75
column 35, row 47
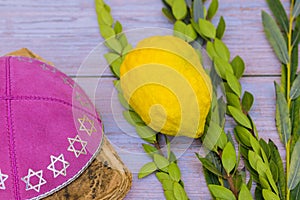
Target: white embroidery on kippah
column 39, row 175
column 57, row 172
column 3, row 178
column 83, row 122
column 81, row 100
column 73, row 149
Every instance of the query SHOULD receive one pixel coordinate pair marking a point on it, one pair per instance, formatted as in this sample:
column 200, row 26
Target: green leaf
column 207, row 164
column 275, row 37
column 296, row 35
column 295, row 120
column 295, row 90
column 174, row 172
column 222, row 141
column 99, row 4
column 118, row 27
column 295, row 193
column 255, row 145
column 245, row 194
column 169, row 195
column 150, row 150
column 294, row 60
column 238, row 66
column 198, row 11
column 221, row 49
column 167, row 185
column 279, row 14
column 123, row 39
column 146, row 133
column 106, row 31
column 169, row 2
column 221, row 28
column 197, row 29
column 220, row 192
column 115, row 66
column 243, row 135
column 168, row 14
column 233, row 100
column 267, row 194
column 271, row 181
column 253, row 159
column 258, row 194
column 172, row 157
column 265, row 148
column 106, row 17
column 229, row 158
column 296, row 10
column 179, row 192
column 275, row 156
column 161, row 176
column 294, row 175
column 283, row 80
column 190, row 33
column 233, row 83
column 117, row 85
column 247, row 101
column 132, row 118
column 213, row 133
column 213, row 8
column 221, row 66
column 123, row 101
column 207, row 28
column 160, row 161
column 283, row 121
column 147, row 169
column 274, row 170
column 264, row 183
column 179, row 29
column 239, row 117
column 114, row 45
column 111, row 57
column 211, row 50
column 179, row 9
column 126, row 49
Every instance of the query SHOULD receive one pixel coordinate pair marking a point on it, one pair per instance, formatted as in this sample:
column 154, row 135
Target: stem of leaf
column 290, row 48
column 229, row 178
column 157, row 145
column 287, row 167
column 231, row 185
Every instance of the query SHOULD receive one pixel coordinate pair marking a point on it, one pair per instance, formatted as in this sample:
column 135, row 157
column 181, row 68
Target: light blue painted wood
column 64, row 32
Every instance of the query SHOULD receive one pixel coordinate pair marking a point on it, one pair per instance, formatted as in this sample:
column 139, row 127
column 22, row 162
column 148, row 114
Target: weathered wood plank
column 65, row 32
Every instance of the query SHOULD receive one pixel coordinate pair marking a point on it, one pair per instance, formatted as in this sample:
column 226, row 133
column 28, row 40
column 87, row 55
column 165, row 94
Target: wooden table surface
column 64, row 32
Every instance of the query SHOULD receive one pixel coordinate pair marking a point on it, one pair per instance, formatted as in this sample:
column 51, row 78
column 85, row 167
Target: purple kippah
column 49, row 129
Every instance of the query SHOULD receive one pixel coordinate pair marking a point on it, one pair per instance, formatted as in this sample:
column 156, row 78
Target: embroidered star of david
column 68, row 82
column 87, row 125
column 72, row 148
column 65, row 165
column 32, row 174
column 81, row 100
column 3, row 178
column 45, row 68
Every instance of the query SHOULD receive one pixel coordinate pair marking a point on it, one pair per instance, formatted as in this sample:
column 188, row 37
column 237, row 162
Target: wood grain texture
column 64, row 32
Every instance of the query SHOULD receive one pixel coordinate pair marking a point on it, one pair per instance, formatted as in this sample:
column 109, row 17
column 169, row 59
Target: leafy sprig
column 260, row 156
column 164, row 166
column 284, row 36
